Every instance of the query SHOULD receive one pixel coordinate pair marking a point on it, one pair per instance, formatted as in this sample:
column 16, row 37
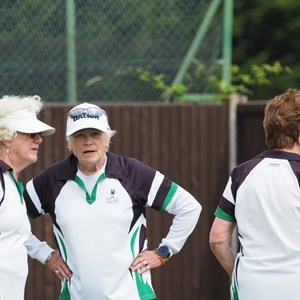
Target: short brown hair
column 282, row 120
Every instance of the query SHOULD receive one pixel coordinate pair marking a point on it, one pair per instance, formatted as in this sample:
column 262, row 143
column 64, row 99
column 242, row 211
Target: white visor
column 27, row 122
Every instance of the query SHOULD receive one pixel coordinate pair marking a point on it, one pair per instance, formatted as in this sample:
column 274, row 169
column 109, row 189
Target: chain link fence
column 125, row 50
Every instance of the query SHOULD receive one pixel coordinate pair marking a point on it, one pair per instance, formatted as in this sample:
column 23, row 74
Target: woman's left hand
column 58, row 265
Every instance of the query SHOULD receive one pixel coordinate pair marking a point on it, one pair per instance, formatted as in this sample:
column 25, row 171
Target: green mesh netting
column 121, row 48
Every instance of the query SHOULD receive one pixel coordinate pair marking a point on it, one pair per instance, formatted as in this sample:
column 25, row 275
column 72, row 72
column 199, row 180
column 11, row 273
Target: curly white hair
column 11, row 104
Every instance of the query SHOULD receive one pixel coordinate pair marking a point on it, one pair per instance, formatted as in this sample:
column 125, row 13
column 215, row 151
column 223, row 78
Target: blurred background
column 164, row 71
column 103, row 50
column 132, row 50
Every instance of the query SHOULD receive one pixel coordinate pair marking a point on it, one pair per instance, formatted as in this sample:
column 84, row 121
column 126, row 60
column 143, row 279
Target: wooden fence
column 189, row 144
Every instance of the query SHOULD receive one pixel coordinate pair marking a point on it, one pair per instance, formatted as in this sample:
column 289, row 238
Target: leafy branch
column 243, row 82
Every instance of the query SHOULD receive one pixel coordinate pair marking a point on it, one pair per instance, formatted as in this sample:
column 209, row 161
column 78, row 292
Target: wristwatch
column 163, row 253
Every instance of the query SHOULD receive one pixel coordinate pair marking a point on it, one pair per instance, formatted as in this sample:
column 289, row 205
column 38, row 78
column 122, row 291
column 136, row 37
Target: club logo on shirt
column 112, row 199
column 274, row 165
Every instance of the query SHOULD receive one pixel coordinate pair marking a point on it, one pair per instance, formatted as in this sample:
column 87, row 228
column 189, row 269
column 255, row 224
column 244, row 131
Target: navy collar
column 67, row 168
column 279, row 154
column 4, row 166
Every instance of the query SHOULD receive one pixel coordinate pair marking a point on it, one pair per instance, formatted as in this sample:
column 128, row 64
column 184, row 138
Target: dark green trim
column 170, row 195
column 19, row 186
column 89, row 198
column 65, row 294
column 223, row 215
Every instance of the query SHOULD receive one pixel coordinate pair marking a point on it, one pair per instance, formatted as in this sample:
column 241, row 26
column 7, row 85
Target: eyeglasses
column 86, row 112
column 33, row 135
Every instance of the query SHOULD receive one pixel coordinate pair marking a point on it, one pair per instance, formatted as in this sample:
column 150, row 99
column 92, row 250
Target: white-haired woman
column 20, row 137
column 97, row 202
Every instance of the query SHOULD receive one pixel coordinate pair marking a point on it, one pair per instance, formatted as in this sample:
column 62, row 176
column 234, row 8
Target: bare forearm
column 225, row 256
column 219, row 241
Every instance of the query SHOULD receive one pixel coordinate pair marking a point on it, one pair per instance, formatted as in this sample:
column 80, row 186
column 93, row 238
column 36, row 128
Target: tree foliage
column 265, row 32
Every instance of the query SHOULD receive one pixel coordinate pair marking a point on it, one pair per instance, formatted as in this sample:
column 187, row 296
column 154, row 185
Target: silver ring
column 56, row 272
column 145, row 263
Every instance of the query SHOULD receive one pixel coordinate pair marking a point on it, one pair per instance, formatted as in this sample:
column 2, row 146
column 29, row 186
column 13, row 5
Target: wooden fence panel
column 189, row 144
column 250, row 131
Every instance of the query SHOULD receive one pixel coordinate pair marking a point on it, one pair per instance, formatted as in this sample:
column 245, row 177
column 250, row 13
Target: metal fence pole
column 227, row 41
column 200, row 34
column 71, row 51
column 234, row 101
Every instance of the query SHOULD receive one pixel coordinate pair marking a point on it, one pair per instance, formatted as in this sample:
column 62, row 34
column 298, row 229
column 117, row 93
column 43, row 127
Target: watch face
column 164, row 251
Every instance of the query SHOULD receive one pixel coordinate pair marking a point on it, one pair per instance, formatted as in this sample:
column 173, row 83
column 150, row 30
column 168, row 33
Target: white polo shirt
column 263, row 197
column 101, row 230
column 14, row 231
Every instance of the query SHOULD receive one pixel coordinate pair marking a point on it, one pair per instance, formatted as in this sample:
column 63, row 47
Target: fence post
column 71, row 51
column 234, row 100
